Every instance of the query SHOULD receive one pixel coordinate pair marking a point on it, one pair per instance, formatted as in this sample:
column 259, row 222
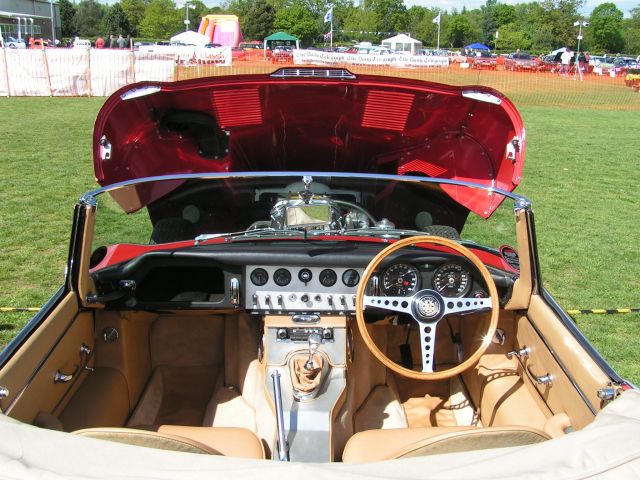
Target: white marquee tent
column 402, row 43
column 191, row 38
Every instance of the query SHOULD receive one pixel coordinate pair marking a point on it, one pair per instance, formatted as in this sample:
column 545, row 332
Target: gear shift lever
column 314, row 342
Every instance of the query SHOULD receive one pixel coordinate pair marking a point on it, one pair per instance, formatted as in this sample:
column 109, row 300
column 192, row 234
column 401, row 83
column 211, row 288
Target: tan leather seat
column 227, row 441
column 387, row 444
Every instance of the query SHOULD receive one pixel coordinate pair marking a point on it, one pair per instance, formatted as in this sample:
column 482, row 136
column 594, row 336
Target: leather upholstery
column 375, row 445
column 233, row 442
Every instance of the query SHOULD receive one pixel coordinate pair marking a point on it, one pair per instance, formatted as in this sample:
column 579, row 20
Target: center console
column 306, row 360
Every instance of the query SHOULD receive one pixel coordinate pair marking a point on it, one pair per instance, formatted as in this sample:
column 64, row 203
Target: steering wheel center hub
column 428, row 307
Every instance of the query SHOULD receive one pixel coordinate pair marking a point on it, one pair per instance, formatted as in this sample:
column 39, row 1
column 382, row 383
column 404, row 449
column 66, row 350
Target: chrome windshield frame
column 89, row 198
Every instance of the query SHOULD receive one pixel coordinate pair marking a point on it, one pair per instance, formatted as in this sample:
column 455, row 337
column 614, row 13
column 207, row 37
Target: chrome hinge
column 609, row 393
column 4, row 393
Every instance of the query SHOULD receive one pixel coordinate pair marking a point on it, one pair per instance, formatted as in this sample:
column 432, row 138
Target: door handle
column 85, row 354
column 545, row 379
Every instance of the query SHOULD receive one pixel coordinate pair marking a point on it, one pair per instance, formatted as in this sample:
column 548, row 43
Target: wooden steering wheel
column 427, row 307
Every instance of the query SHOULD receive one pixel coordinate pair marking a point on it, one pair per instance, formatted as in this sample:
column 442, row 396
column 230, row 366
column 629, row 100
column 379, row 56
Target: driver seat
column 388, row 444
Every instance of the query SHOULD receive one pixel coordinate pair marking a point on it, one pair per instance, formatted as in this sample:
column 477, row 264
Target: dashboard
column 278, row 289
column 300, row 278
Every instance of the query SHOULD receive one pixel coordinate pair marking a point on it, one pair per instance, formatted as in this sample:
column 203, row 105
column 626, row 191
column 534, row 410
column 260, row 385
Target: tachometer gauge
column 451, row 280
column 400, row 280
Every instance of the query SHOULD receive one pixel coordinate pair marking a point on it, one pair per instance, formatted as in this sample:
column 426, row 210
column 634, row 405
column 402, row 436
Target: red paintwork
column 126, row 251
column 370, row 124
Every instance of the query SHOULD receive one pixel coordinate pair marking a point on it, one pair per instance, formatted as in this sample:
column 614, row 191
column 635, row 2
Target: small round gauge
column 350, row 277
column 305, row 275
column 451, row 280
column 282, row 277
column 328, row 277
column 259, row 277
column 400, row 280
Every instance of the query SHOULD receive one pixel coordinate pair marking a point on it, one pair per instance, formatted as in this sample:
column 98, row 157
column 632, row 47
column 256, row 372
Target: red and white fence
column 77, row 72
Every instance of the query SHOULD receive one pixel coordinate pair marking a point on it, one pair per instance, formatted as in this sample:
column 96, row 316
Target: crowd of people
column 113, row 42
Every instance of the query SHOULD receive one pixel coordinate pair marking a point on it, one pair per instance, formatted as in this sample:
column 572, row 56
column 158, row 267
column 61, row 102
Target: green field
column 581, row 172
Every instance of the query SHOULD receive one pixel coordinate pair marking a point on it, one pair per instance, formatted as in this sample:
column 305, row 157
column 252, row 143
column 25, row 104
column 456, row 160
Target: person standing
column 565, row 60
column 121, row 41
column 112, row 41
column 100, row 42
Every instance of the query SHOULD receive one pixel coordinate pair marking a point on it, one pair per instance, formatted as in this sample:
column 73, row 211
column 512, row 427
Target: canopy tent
column 402, row 43
column 559, row 50
column 283, row 37
column 191, row 38
column 477, row 46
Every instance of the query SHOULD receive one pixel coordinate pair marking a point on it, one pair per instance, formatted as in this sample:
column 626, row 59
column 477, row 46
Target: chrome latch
column 234, row 291
column 105, row 148
column 512, row 148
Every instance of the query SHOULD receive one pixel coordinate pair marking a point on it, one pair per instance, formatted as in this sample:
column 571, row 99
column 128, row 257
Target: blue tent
column 477, row 46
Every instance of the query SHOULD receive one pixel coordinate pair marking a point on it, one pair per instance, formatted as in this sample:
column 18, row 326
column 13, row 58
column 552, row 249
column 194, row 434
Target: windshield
column 286, row 205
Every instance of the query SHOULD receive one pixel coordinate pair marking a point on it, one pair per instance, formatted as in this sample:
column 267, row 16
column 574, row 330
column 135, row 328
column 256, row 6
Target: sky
column 624, row 5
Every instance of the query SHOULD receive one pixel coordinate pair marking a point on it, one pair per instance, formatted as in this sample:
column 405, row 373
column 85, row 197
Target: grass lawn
column 581, row 172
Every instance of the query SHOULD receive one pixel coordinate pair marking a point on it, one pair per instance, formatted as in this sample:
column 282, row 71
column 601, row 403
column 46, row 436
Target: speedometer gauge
column 452, row 280
column 400, row 280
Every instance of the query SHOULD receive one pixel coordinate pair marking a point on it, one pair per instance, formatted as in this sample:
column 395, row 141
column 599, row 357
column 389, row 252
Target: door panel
column 55, row 347
column 575, row 377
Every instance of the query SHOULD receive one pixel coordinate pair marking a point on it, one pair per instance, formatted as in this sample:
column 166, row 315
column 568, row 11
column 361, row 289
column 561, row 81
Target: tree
column 559, row 16
column 298, row 21
column 504, row 14
column 134, row 11
column 161, row 20
column 458, row 31
column 606, row 28
column 67, row 12
column 391, row 14
column 511, row 38
column 115, row 21
column 88, row 18
column 631, row 31
column 489, row 26
column 258, row 23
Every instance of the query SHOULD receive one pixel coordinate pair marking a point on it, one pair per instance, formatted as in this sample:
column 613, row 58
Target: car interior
column 305, row 351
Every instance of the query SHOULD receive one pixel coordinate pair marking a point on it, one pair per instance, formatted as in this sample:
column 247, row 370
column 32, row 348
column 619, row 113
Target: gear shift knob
column 314, row 342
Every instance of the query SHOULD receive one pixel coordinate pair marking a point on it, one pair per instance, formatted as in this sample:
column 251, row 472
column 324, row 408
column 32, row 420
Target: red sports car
column 274, row 279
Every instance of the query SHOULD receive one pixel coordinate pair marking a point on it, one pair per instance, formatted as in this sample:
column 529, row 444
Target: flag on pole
column 328, row 17
column 437, row 19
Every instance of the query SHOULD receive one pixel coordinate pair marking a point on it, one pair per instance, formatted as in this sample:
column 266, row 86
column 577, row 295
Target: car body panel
column 365, row 125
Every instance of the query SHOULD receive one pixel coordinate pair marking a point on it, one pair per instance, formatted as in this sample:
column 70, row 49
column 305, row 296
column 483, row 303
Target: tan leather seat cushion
column 374, row 445
column 232, row 442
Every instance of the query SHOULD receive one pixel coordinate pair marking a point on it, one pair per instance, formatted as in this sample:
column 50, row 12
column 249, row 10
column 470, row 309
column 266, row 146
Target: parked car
column 272, row 268
column 82, row 43
column 15, row 43
column 238, row 53
column 522, row 62
column 484, row 61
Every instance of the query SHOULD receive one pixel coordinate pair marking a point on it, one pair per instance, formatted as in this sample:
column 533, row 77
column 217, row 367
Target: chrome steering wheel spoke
column 427, row 345
column 463, row 305
column 396, row 304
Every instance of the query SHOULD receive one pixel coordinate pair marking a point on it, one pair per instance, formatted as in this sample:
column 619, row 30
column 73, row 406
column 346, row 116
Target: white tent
column 402, row 43
column 191, row 38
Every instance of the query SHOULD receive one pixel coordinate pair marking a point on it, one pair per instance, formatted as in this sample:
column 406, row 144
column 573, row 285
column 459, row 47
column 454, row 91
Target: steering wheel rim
column 418, row 298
